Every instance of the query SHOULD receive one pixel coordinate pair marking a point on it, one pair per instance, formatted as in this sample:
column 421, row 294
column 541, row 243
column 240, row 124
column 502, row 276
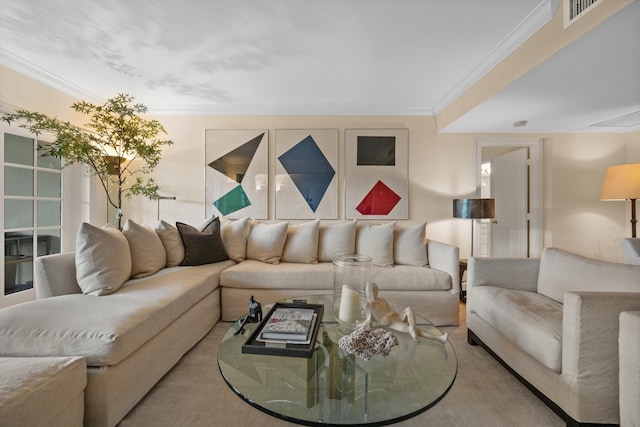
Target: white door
column 510, row 188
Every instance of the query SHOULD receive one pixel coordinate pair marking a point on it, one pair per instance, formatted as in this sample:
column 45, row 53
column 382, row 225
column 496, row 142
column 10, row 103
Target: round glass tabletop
column 333, row 387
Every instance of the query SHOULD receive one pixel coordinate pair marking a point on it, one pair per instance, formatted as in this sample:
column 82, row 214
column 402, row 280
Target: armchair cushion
column 562, row 272
column 529, row 319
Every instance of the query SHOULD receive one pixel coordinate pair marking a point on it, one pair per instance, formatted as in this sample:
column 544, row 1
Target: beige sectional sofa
column 554, row 322
column 131, row 317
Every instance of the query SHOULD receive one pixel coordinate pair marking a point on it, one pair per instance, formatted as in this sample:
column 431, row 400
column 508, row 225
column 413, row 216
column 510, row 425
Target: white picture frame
column 306, row 179
column 376, row 174
column 237, row 173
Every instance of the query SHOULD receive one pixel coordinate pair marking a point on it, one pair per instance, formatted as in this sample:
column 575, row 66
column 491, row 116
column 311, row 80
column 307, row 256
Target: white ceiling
column 324, row 57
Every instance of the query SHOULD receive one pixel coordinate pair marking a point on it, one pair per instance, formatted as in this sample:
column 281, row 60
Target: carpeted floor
column 194, row 394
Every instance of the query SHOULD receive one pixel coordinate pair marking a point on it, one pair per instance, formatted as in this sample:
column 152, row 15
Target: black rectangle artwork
column 289, row 329
column 376, row 151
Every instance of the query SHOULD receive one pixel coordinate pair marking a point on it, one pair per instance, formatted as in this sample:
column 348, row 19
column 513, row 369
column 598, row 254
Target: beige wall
column 441, row 168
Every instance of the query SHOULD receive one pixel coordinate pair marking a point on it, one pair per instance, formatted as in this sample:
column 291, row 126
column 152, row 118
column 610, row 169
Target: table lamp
column 622, row 182
column 473, row 209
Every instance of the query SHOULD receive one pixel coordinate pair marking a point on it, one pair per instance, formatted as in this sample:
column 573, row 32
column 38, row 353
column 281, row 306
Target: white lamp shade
column 621, row 182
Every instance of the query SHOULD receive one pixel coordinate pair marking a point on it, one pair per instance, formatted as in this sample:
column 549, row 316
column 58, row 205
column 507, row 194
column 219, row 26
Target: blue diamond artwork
column 309, row 170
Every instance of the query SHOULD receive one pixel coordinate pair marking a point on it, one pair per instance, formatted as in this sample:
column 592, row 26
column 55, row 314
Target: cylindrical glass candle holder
column 351, row 273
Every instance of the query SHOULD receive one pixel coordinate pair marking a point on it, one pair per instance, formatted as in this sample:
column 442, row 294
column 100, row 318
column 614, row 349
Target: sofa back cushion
column 302, row 243
column 376, row 241
column 336, row 238
column 103, row 259
column 561, row 272
column 410, row 245
column 147, row 251
column 202, row 247
column 234, row 237
column 266, row 241
column 172, row 242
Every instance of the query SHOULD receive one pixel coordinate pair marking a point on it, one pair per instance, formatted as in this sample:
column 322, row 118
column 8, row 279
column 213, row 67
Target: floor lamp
column 622, row 182
column 474, row 209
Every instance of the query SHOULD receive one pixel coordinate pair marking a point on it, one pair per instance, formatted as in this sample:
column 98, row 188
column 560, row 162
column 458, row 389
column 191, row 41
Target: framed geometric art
column 237, row 173
column 376, row 174
column 306, row 174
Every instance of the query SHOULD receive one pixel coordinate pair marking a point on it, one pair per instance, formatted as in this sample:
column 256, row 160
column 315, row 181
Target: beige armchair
column 629, row 343
column 554, row 322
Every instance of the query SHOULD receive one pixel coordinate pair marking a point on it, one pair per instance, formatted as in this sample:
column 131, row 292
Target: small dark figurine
column 254, row 316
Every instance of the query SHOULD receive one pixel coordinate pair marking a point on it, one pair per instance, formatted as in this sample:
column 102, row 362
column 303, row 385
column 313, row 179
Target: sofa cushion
column 530, row 320
column 234, row 237
column 410, row 278
column 38, row 391
column 562, row 271
column 202, row 247
column 253, row 274
column 106, row 330
column 376, row 241
column 266, row 241
column 410, row 245
column 147, row 251
column 302, row 243
column 334, row 239
column 172, row 242
column 103, row 259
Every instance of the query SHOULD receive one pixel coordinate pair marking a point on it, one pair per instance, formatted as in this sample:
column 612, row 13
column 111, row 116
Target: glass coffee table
column 335, row 388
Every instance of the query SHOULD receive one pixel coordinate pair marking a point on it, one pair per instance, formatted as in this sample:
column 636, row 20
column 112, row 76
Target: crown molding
column 288, row 110
column 33, row 71
column 538, row 17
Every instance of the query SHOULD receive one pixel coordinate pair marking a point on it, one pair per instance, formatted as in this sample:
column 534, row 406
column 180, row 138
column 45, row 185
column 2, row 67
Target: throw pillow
column 410, row 245
column 103, row 259
column 336, row 238
column 202, row 247
column 172, row 242
column 376, row 241
column 266, row 241
column 234, row 237
column 302, row 243
column 147, row 251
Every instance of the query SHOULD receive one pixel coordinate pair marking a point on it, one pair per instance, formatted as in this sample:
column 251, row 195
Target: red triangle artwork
column 379, row 201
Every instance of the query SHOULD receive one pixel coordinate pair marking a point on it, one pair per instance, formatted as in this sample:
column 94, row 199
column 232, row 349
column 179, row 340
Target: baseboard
column 473, row 339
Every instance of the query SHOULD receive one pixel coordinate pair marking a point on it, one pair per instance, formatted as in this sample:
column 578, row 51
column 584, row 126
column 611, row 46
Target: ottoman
column 42, row 391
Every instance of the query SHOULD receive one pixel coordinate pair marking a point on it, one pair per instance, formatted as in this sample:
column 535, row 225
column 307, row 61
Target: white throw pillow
column 266, row 241
column 172, row 242
column 103, row 259
column 302, row 243
column 410, row 245
column 234, row 237
column 147, row 251
column 334, row 239
column 376, row 241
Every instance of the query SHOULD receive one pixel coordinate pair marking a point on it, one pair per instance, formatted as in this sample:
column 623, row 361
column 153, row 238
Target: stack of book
column 289, row 329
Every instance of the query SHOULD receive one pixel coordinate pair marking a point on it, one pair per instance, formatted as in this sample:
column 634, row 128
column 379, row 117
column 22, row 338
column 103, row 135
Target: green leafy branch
column 113, row 141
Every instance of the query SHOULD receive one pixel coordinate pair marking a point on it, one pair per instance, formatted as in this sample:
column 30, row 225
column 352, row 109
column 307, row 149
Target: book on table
column 290, row 324
column 292, row 329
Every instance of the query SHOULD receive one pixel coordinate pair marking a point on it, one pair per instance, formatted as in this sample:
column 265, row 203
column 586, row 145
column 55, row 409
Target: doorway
column 511, row 172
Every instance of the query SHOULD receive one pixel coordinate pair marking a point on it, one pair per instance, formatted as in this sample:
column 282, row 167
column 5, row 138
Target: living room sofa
column 554, row 322
column 131, row 316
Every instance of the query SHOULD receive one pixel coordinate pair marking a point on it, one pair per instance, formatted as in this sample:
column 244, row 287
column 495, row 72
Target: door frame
column 535, row 184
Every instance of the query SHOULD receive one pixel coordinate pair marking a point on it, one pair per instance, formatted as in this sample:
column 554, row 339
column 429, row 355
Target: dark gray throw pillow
column 202, row 247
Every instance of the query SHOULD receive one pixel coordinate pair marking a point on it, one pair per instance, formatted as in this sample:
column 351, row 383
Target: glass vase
column 351, row 273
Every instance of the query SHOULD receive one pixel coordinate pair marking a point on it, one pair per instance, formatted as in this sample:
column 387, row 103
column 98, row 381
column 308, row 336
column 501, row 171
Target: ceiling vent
column 576, row 9
column 627, row 121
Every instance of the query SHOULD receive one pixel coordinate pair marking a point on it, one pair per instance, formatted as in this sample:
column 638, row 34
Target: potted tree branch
column 117, row 145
